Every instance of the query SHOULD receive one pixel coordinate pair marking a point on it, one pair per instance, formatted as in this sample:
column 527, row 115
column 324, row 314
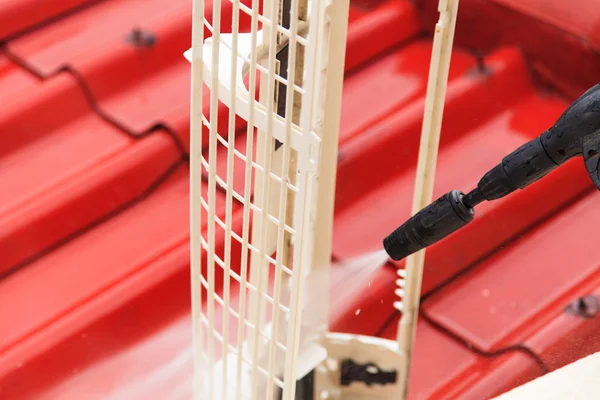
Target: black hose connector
column 428, row 226
column 577, row 132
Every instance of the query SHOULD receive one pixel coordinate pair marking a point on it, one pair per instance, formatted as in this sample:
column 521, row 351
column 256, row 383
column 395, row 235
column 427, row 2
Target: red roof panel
column 89, row 168
column 568, row 336
column 80, row 41
column 492, row 376
column 34, row 103
column 392, row 22
column 61, row 281
column 582, row 21
column 18, row 15
column 122, row 316
column 438, row 360
column 97, row 274
column 385, row 196
column 398, row 73
column 13, row 79
column 96, row 120
column 500, row 290
column 445, row 368
column 366, row 309
column 563, row 54
column 137, row 85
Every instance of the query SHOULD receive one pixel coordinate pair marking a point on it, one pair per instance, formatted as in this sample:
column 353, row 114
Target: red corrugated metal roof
column 94, row 199
column 19, row 15
column 564, row 54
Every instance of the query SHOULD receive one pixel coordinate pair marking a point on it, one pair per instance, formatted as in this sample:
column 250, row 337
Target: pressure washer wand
column 577, row 132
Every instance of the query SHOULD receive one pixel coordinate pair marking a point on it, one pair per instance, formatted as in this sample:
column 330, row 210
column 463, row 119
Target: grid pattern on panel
column 252, row 205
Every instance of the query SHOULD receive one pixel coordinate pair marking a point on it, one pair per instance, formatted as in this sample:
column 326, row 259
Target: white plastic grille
column 257, row 111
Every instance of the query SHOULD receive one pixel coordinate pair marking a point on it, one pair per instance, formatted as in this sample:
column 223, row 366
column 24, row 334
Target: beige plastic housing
column 260, row 325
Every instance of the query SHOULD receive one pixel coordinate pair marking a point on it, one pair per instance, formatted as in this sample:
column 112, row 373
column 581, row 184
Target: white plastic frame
column 314, row 137
column 220, row 62
column 410, row 279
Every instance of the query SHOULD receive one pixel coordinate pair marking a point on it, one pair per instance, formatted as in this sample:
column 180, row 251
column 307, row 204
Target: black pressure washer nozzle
column 577, row 132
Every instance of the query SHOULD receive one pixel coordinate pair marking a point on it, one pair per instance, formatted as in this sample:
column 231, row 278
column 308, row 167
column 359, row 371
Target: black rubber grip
column 436, row 221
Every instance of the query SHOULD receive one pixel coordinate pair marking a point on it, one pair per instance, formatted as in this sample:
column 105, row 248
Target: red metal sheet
column 79, row 41
column 568, row 337
column 148, row 299
column 443, row 368
column 398, row 133
column 496, row 305
column 75, row 347
column 582, row 21
column 144, row 303
column 392, row 22
column 141, row 87
column 63, row 92
column 399, row 73
column 568, row 61
column 504, row 307
column 437, row 360
column 35, row 103
column 382, row 199
column 18, row 15
column 108, row 287
column 491, row 377
column 58, row 180
column 137, row 86
column 380, row 211
column 121, row 256
column 92, row 262
column 159, row 343
column 14, row 80
column 366, row 308
column 157, row 366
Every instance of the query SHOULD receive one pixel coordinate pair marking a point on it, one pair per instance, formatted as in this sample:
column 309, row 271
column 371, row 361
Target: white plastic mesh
column 255, row 147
